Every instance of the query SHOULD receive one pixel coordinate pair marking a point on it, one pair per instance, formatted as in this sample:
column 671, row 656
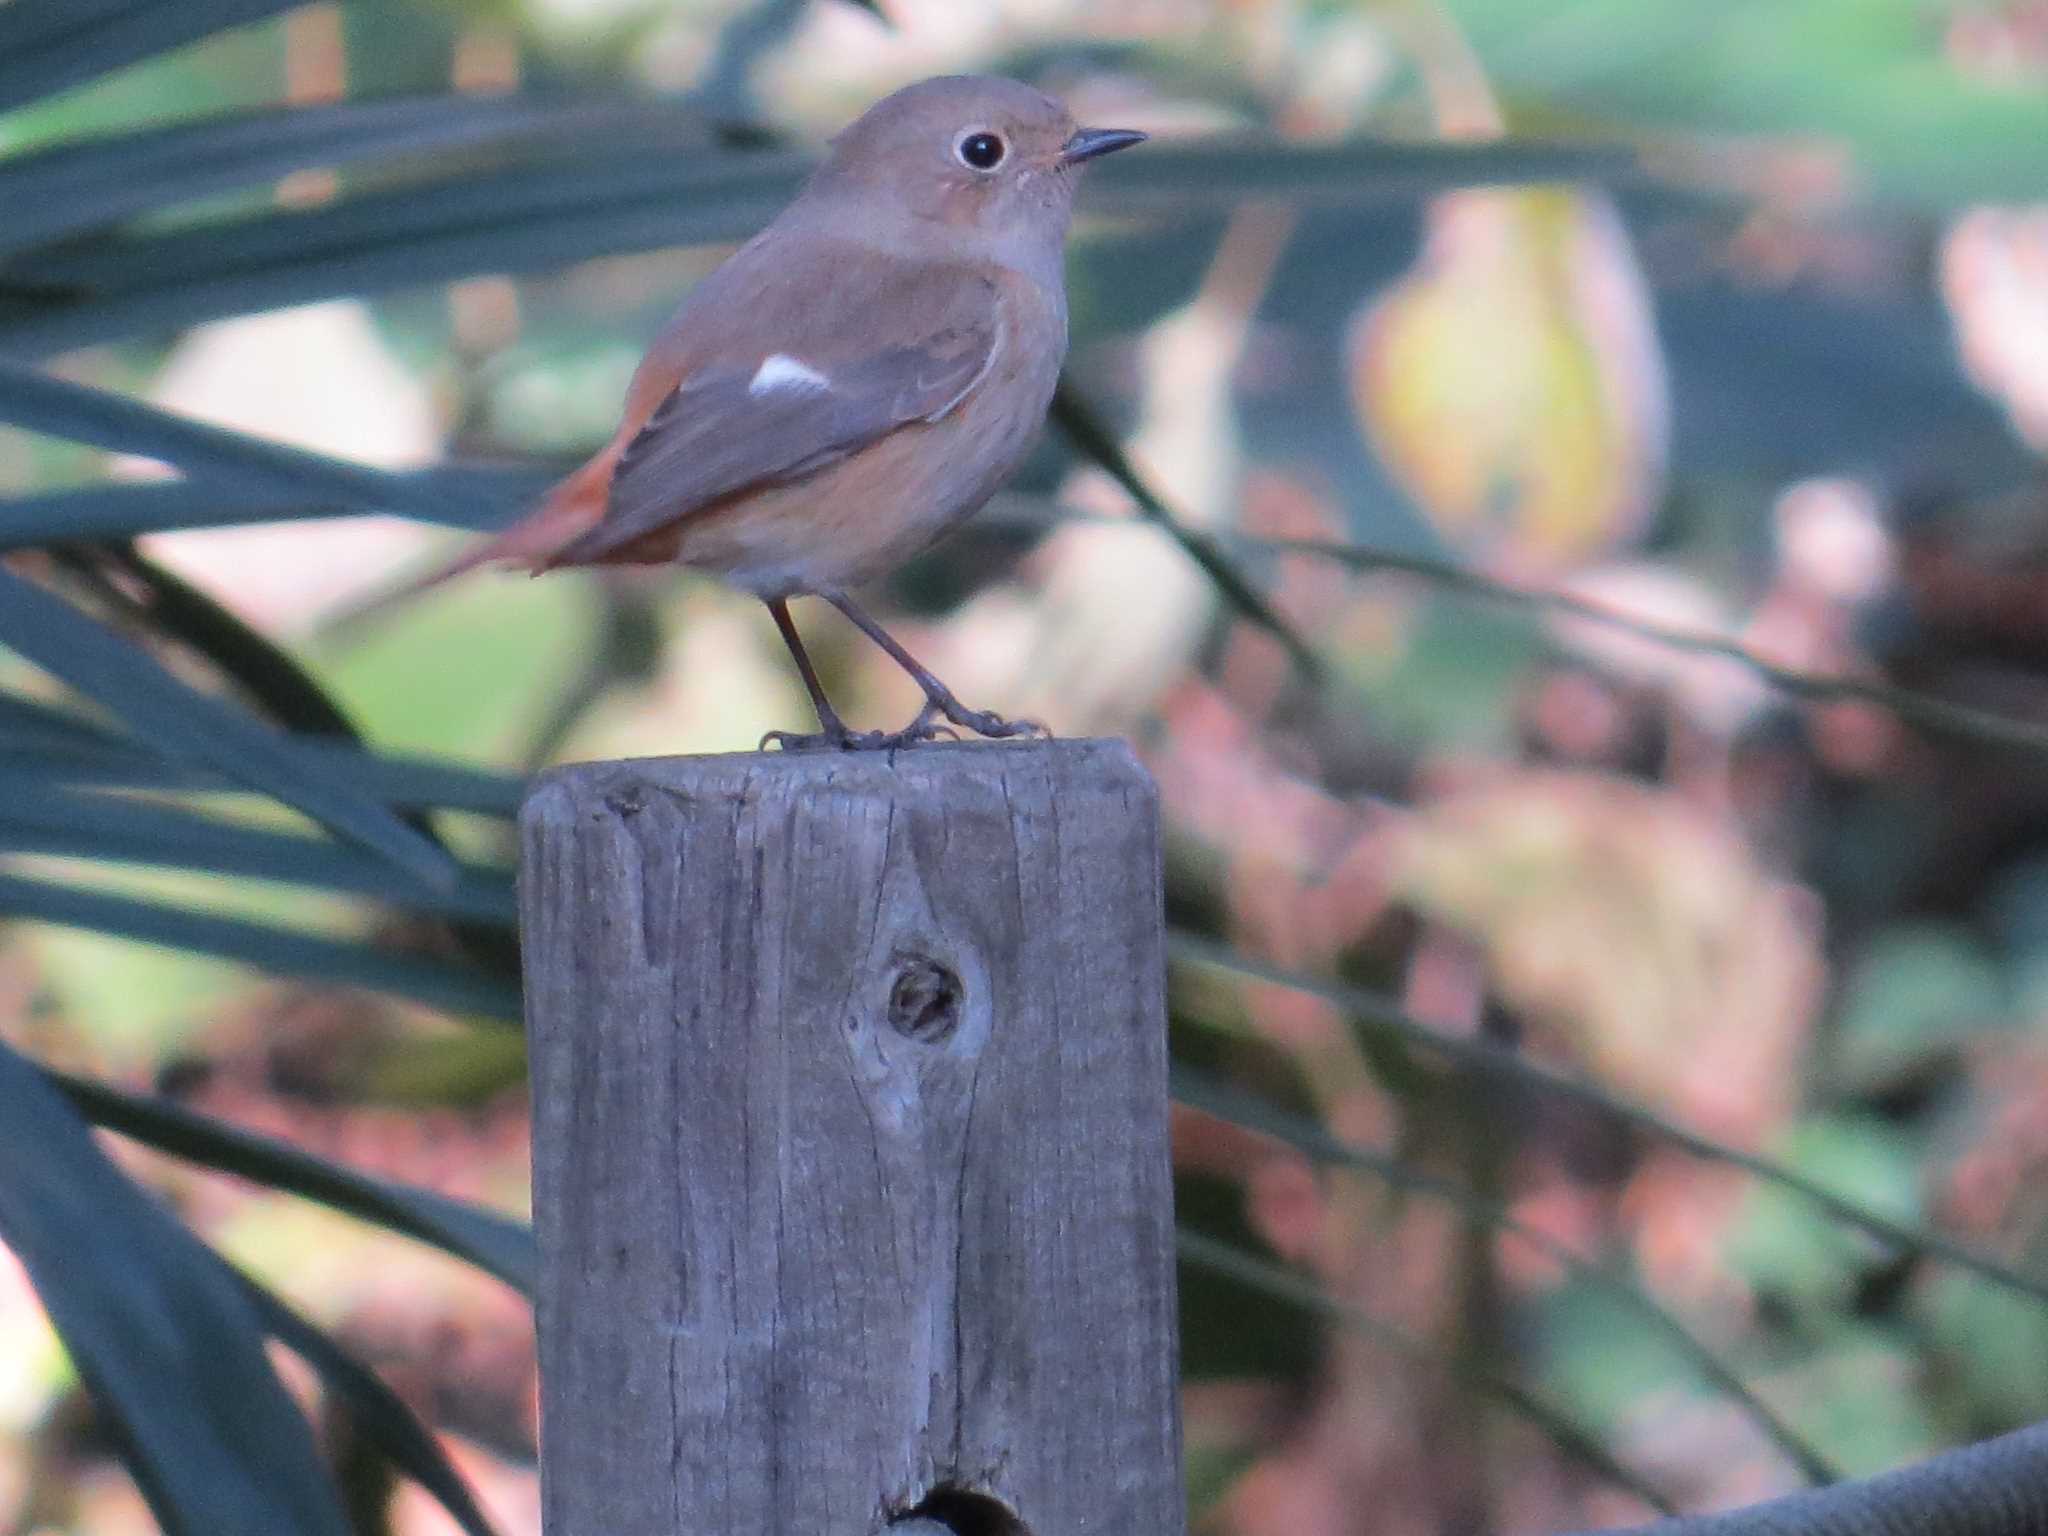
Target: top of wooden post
column 933, row 768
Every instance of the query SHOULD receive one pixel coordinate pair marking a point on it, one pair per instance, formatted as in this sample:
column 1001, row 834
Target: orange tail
column 570, row 510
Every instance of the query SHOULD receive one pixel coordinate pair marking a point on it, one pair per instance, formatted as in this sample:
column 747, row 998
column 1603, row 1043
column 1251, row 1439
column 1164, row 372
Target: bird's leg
column 939, row 697
column 832, row 730
column 833, row 733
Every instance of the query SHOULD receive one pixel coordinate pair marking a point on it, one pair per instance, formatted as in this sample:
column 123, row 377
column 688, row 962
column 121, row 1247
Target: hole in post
column 924, row 999
column 965, row 1513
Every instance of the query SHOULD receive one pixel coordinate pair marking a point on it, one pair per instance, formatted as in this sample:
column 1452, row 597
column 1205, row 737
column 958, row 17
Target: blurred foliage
column 1552, row 487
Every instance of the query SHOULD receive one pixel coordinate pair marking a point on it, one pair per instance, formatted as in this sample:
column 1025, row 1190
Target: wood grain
column 850, row 1159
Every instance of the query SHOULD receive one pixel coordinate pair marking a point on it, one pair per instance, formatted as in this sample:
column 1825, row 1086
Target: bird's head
column 966, row 161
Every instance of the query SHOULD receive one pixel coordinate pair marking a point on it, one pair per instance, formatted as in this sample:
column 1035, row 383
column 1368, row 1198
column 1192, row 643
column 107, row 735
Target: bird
column 851, row 383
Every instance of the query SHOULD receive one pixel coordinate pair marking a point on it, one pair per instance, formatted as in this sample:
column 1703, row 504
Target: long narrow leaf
column 1222, row 172
column 46, row 47
column 1093, row 441
column 186, row 724
column 43, row 747
column 123, row 511
column 45, row 819
column 1198, row 1090
column 1284, row 1285
column 250, row 465
column 538, row 217
column 168, row 606
column 402, row 783
column 1960, row 722
column 496, row 1244
column 379, row 1414
column 82, row 184
column 1385, row 1018
column 457, row 989
column 458, row 496
column 168, row 1344
column 533, row 220
column 287, row 695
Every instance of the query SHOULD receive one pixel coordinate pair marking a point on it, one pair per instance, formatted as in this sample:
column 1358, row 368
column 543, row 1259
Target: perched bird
column 852, row 382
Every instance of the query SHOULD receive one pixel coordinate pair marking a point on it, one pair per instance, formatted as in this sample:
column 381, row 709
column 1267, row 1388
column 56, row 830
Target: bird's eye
column 981, row 151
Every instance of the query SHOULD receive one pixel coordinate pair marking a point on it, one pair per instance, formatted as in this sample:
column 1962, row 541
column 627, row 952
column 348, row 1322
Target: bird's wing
column 768, row 414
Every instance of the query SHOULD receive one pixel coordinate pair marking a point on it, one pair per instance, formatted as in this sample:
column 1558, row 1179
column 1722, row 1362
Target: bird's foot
column 938, row 719
column 982, row 722
column 926, row 727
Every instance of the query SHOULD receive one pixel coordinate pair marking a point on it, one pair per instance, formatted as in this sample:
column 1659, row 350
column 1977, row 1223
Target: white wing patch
column 783, row 372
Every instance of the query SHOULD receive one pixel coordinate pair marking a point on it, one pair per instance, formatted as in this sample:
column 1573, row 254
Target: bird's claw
column 987, row 723
column 936, row 721
column 926, row 727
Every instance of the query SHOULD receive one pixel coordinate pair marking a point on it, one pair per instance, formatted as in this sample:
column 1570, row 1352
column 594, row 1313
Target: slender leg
column 980, row 721
column 833, row 732
column 828, row 717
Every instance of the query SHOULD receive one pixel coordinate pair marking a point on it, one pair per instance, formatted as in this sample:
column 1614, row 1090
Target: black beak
column 1093, row 143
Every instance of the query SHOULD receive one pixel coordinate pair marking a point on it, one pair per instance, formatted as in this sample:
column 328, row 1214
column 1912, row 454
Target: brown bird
column 852, row 382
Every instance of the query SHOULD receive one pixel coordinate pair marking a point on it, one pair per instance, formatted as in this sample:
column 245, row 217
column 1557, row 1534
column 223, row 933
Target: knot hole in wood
column 950, row 1510
column 926, row 998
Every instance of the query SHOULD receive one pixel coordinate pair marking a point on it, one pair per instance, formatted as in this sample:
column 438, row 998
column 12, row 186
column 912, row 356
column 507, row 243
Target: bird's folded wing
column 765, row 420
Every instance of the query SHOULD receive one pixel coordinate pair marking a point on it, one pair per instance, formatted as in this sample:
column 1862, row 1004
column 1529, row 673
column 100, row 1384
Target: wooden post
column 850, row 1162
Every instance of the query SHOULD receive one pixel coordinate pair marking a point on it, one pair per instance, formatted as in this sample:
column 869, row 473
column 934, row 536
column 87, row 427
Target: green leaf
column 1778, row 1246
column 1475, row 1376
column 459, row 1070
column 1995, row 1344
column 528, row 218
column 496, row 1244
column 69, row 823
column 457, row 989
column 1383, row 1019
column 77, row 186
column 378, row 1413
column 1935, row 715
column 47, row 47
column 615, row 199
column 1871, row 80
column 168, row 1344
column 188, row 725
column 1225, row 1332
column 1200, row 1091
column 1223, row 172
column 43, row 746
column 453, row 495
column 1915, row 990
column 250, row 465
column 123, row 511
column 139, row 589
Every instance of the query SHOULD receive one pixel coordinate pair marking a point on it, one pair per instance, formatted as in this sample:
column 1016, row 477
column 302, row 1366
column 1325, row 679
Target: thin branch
column 1382, row 1017
column 1198, row 1090
column 1285, row 1285
column 1093, row 441
column 1936, row 715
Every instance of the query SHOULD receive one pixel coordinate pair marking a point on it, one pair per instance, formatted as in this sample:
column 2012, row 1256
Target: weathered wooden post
column 850, row 1163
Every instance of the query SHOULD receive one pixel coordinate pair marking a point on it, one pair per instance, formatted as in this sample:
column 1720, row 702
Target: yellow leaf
column 1512, row 381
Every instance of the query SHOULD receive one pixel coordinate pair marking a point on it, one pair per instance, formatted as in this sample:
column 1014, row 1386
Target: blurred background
column 1552, row 488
